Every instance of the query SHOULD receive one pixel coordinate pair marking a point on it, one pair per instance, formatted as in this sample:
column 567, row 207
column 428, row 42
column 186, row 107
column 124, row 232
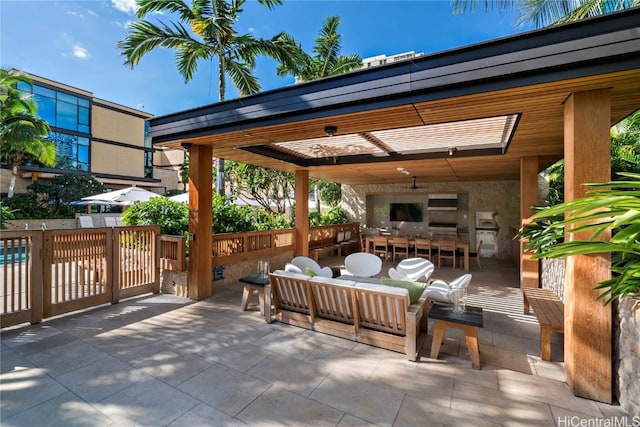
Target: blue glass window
column 60, row 109
column 64, row 111
column 46, row 108
column 66, row 115
column 72, row 151
column 148, row 164
column 39, row 90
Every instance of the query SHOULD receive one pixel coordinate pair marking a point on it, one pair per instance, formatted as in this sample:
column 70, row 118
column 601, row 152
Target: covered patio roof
column 501, row 110
column 443, row 117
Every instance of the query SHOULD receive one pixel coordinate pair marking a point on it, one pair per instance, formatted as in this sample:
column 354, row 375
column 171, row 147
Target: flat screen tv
column 407, row 212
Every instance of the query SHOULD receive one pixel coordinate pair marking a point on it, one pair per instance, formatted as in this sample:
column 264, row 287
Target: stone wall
column 552, row 275
column 628, row 345
column 36, row 224
column 626, row 335
column 175, row 283
column 502, row 197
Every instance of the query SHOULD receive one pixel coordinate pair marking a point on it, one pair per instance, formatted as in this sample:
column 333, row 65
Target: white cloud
column 126, row 6
column 251, row 29
column 124, row 25
column 73, row 13
column 80, row 52
column 91, row 12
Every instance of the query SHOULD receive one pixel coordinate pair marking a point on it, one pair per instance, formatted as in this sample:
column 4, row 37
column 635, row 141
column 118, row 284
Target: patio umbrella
column 124, row 197
column 180, row 198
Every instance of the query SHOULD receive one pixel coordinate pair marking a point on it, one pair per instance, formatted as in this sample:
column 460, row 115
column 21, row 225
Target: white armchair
column 412, row 269
column 439, row 290
column 303, row 262
column 363, row 264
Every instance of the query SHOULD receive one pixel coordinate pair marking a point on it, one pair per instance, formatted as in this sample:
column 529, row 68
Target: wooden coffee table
column 254, row 284
column 469, row 322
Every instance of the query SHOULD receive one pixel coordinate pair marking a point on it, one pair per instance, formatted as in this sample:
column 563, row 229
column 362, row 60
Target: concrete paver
column 166, row 360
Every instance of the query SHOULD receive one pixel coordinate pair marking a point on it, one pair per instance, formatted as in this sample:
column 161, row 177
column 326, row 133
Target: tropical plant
column 231, row 218
column 541, row 233
column 52, row 198
column 270, row 188
column 611, row 206
column 330, row 192
column 334, row 215
column 172, row 217
column 22, row 133
column 327, row 60
column 625, row 157
column 5, row 215
column 206, row 31
column 542, row 13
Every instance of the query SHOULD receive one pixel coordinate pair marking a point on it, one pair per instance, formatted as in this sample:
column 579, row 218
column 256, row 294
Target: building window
column 64, row 112
column 59, row 109
column 72, row 151
column 148, row 164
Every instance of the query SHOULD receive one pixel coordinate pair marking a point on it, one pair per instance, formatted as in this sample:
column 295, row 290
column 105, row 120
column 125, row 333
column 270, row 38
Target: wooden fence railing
column 234, row 247
column 327, row 234
column 172, row 252
column 51, row 272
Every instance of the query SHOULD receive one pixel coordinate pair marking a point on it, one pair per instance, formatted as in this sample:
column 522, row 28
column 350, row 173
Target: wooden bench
column 550, row 313
column 315, row 252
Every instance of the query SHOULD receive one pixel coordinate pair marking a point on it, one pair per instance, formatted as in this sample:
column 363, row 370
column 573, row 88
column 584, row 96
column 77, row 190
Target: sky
column 75, row 42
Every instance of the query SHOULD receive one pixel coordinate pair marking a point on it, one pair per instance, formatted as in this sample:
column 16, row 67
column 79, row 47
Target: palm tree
column 542, row 13
column 206, row 31
column 327, row 60
column 22, row 134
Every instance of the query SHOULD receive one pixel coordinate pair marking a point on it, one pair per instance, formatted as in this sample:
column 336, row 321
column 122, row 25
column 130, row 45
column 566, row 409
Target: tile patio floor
column 165, row 360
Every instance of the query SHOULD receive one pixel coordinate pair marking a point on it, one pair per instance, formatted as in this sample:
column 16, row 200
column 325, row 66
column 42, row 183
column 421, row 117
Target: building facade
column 97, row 137
column 374, row 61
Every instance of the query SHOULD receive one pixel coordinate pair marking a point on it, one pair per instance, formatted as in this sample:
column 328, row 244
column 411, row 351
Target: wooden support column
column 302, row 212
column 587, row 324
column 199, row 273
column 529, row 274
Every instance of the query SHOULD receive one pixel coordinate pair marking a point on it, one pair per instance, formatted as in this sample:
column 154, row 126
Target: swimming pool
column 13, row 255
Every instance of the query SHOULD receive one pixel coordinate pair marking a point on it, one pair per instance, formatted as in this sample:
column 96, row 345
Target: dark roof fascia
column 598, row 45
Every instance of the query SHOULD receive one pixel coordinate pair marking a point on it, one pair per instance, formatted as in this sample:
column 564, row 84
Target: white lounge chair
column 439, row 290
column 85, row 221
column 412, row 269
column 303, row 262
column 363, row 264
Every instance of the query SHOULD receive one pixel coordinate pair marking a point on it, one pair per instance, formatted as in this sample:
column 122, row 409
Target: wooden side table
column 254, row 284
column 469, row 322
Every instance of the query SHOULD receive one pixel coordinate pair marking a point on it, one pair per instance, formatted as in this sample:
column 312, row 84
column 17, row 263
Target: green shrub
column 5, row 215
column 172, row 217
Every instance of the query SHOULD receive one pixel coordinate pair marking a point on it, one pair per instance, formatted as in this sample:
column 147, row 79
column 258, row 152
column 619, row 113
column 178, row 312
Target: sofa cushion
column 415, row 288
column 290, row 274
column 331, row 281
column 384, row 288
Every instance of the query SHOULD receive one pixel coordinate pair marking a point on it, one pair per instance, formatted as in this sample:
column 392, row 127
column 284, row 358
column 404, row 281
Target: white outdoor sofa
column 373, row 314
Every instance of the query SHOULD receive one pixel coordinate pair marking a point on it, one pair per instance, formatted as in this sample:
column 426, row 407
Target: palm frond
column 462, row 6
column 145, row 36
column 171, row 6
column 242, row 77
